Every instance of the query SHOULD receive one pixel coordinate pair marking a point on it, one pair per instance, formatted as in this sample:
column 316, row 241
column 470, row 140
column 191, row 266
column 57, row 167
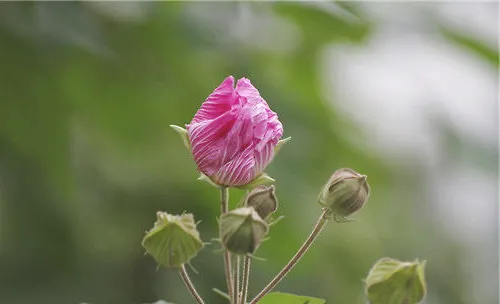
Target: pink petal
column 208, row 139
column 238, row 171
column 245, row 88
column 263, row 157
column 234, row 133
column 218, row 102
column 240, row 135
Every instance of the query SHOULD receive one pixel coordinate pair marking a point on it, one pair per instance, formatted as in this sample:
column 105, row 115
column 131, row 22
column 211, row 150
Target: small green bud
column 345, row 193
column 263, row 200
column 173, row 240
column 242, row 230
column 395, row 282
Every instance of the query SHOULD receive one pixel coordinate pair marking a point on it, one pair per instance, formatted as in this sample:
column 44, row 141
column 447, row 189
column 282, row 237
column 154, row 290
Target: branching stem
column 295, row 259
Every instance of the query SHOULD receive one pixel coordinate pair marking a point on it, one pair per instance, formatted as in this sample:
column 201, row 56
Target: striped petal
column 238, row 171
column 208, row 139
column 218, row 103
column 234, row 133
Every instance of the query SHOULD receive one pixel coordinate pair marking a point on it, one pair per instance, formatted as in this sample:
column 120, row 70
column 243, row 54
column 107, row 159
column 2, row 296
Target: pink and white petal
column 218, row 102
column 238, row 137
column 207, row 140
column 239, row 171
column 263, row 157
column 245, row 88
column 260, row 120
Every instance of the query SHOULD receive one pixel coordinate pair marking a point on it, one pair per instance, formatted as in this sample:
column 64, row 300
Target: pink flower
column 234, row 133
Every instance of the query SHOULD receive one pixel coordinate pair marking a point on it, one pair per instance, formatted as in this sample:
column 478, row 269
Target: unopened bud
column 173, row 240
column 242, row 230
column 263, row 200
column 395, row 282
column 345, row 193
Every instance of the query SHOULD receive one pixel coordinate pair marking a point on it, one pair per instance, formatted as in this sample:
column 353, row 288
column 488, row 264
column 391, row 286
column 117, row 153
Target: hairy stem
column 295, row 259
column 228, row 271
column 189, row 285
column 236, row 280
column 246, row 276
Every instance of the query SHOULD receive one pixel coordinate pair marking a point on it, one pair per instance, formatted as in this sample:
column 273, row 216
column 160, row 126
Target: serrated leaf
column 288, row 298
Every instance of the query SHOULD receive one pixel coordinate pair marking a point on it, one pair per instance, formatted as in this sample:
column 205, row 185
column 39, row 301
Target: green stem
column 236, row 280
column 295, row 259
column 246, row 276
column 224, row 198
column 189, row 285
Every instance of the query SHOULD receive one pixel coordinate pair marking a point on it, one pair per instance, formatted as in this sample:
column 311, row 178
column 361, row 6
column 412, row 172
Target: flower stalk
column 236, row 279
column 228, row 271
column 323, row 219
column 189, row 285
column 246, row 277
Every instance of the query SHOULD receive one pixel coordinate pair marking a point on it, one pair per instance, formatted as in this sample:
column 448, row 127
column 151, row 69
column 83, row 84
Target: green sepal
column 242, row 230
column 262, row 180
column 183, row 134
column 207, row 179
column 173, row 240
column 391, row 281
column 280, row 144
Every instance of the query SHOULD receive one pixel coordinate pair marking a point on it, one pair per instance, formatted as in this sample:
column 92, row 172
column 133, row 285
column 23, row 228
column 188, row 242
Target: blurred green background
column 88, row 89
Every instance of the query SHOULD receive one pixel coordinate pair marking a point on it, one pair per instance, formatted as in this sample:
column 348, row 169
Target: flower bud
column 242, row 230
column 263, row 200
column 173, row 240
column 233, row 134
column 395, row 282
column 345, row 193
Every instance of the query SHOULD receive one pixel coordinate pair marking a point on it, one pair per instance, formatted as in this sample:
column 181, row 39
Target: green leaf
column 395, row 282
column 288, row 298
